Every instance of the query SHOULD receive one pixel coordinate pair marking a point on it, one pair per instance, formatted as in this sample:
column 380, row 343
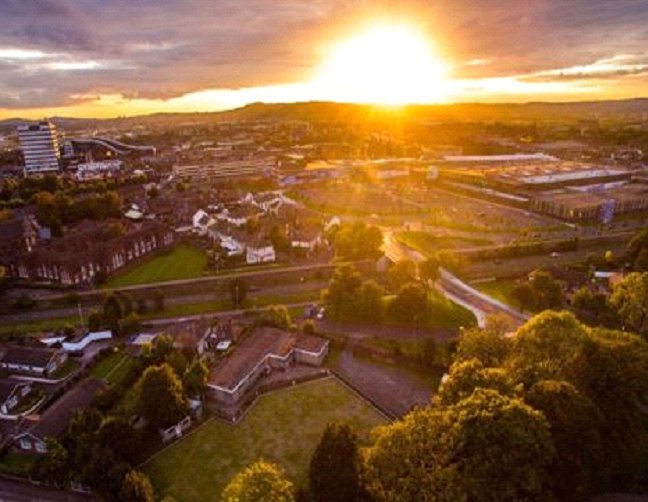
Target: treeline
column 56, row 210
column 406, row 300
column 18, row 192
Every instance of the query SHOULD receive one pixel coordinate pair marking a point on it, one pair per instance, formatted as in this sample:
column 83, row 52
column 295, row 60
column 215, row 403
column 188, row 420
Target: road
column 216, row 315
column 281, row 289
column 220, row 278
column 477, row 302
column 14, row 491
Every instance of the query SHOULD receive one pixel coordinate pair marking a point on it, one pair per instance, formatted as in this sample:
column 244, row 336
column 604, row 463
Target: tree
column 401, row 273
column 369, row 301
column 113, row 313
column 594, row 308
column 429, row 269
column 525, row 295
column 136, row 487
column 46, row 208
column 158, row 300
column 259, row 482
column 278, row 238
column 467, row 376
column 489, row 346
column 548, row 291
column 487, row 447
column 118, row 435
column 276, row 316
column 161, row 399
column 546, row 347
column 238, row 289
column 53, row 467
column 637, row 246
column 630, row 300
column 340, row 297
column 411, row 305
column 357, row 241
column 334, row 473
column 131, row 324
column 95, row 320
column 195, row 378
column 161, row 348
column 450, row 260
column 104, row 472
column 575, row 425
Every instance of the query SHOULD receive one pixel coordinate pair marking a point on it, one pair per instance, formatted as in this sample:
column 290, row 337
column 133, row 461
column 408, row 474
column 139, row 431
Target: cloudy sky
column 110, row 57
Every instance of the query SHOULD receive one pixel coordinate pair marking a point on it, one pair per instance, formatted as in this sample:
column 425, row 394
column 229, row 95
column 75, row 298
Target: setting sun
column 389, row 65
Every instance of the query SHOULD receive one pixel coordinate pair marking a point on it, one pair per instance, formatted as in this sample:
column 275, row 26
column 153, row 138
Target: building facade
column 40, row 147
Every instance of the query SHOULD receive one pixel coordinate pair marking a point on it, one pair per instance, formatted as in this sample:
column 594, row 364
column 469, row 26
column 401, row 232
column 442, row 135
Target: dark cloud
column 163, row 48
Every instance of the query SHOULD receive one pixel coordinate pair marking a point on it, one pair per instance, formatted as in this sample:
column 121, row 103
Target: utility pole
column 81, row 315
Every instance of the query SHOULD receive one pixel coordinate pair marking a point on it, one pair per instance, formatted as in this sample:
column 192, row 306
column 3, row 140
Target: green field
column 428, row 244
column 113, row 368
column 183, row 262
column 283, row 427
column 500, row 289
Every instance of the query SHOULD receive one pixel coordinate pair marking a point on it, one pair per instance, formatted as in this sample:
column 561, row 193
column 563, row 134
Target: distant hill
column 342, row 112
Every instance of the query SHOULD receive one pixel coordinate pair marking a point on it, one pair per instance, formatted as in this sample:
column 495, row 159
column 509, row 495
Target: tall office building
column 40, row 147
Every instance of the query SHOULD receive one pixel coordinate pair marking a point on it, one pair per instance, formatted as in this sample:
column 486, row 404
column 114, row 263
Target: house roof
column 54, row 421
column 28, row 356
column 261, row 343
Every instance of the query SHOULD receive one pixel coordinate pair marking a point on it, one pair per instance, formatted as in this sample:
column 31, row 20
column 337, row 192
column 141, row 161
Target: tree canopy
column 259, row 482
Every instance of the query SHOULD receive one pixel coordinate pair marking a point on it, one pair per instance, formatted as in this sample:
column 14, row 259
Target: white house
column 201, row 220
column 260, row 254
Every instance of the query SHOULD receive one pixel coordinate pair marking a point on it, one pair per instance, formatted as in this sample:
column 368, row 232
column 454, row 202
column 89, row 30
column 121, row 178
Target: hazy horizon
column 100, row 60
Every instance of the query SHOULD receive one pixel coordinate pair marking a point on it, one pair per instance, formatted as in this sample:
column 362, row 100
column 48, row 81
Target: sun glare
column 389, row 65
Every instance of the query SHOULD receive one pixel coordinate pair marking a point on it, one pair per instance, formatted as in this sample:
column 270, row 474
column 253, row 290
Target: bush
column 308, row 327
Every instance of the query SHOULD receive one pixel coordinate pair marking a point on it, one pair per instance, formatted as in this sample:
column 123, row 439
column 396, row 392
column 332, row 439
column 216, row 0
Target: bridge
column 113, row 145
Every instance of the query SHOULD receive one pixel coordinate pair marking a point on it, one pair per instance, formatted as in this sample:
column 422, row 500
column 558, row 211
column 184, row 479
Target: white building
column 260, row 254
column 40, row 146
column 91, row 170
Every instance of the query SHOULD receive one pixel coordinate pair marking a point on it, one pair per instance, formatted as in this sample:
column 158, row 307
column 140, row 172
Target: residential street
column 14, row 491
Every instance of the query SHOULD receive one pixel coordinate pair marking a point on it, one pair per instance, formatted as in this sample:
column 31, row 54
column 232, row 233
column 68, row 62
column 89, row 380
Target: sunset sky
column 105, row 58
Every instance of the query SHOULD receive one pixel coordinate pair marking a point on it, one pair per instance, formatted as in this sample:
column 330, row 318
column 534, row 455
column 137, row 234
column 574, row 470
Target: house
column 306, row 238
column 12, row 392
column 260, row 252
column 191, row 336
column 201, row 221
column 33, row 361
column 53, row 423
column 77, row 257
column 262, row 351
column 18, row 236
column 79, row 343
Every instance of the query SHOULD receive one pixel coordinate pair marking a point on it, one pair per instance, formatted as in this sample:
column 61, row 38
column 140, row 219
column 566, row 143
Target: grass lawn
column 17, row 464
column 113, row 368
column 283, row 427
column 428, row 244
column 183, row 262
column 444, row 313
column 65, row 369
column 500, row 289
column 36, row 326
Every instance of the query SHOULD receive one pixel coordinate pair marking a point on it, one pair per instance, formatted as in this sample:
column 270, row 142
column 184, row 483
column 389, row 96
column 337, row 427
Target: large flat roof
column 252, row 351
